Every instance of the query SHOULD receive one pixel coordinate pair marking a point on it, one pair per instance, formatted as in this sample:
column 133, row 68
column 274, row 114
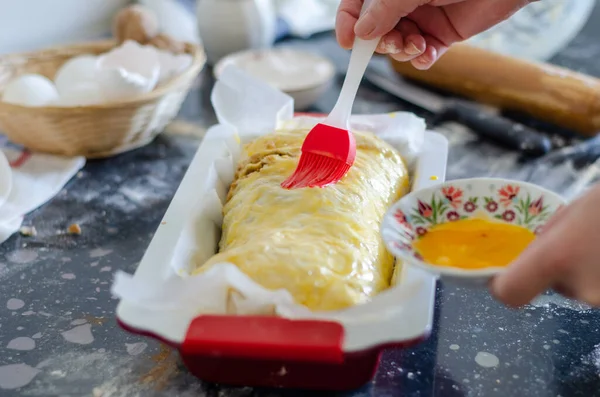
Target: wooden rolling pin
column 556, row 95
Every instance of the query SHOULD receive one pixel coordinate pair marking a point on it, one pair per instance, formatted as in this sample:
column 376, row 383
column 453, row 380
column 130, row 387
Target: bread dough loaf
column 323, row 245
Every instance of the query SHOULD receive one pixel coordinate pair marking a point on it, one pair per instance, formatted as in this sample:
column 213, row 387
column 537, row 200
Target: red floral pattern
column 453, row 216
column 536, row 206
column 470, row 206
column 509, row 215
column 421, row 231
column 402, row 246
column 508, row 194
column 425, row 210
column 453, row 195
column 401, row 218
column 491, row 205
column 509, row 203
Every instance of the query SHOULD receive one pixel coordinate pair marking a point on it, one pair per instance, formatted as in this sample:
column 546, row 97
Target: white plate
column 284, row 68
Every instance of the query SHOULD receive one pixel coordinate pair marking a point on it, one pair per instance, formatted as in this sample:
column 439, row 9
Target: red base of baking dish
column 356, row 370
column 274, row 352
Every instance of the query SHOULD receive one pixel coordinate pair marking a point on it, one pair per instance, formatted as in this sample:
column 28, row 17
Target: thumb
column 382, row 16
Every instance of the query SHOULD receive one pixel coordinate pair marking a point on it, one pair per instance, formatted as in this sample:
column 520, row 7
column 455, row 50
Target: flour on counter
column 99, row 252
column 487, row 360
column 547, row 301
column 14, row 304
column 22, row 256
column 593, row 358
column 21, row 343
column 81, row 334
column 135, row 349
column 14, row 376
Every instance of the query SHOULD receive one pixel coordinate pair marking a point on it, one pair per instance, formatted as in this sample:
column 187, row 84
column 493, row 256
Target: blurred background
column 537, row 32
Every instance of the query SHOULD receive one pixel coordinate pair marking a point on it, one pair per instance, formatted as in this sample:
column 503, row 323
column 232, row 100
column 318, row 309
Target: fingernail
column 364, row 27
column 421, row 64
column 412, row 49
column 389, row 47
column 423, row 60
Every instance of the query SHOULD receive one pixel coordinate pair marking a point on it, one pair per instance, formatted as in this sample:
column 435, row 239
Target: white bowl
column 303, row 75
column 502, row 200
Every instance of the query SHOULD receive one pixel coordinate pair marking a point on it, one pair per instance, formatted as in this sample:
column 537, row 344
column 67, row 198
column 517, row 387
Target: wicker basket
column 93, row 131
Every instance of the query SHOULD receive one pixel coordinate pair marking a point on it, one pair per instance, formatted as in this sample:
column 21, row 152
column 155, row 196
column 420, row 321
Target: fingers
column 382, row 16
column 425, row 60
column 565, row 291
column 473, row 17
column 421, row 49
column 435, row 49
column 346, row 18
column 434, row 21
column 408, row 39
column 557, row 217
column 414, row 43
column 392, row 43
column 401, row 38
column 421, row 32
column 538, row 268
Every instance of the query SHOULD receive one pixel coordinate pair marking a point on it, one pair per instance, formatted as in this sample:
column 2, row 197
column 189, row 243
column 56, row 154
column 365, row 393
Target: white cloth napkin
column 36, row 178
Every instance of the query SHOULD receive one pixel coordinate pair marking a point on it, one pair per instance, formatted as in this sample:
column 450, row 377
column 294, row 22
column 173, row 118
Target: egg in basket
column 100, row 98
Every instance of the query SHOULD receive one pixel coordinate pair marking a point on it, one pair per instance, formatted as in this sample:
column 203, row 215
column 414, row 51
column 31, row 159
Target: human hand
column 565, row 257
column 420, row 31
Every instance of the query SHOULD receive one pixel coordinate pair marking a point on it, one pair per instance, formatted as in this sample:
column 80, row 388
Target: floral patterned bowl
column 503, row 200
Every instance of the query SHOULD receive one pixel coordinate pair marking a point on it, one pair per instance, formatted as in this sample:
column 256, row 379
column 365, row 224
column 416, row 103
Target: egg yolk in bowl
column 473, row 244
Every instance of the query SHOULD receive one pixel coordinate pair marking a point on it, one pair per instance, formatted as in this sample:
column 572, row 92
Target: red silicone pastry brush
column 329, row 149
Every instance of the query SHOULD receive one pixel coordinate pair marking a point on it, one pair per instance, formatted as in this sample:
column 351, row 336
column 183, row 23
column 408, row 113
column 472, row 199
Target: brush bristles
column 316, row 170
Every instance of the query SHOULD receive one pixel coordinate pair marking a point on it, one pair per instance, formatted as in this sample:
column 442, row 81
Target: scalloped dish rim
column 454, row 271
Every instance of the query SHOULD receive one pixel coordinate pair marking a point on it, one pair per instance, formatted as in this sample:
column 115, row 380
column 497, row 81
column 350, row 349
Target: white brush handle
column 362, row 52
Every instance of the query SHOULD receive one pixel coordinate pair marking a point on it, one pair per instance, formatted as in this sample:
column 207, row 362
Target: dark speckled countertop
column 58, row 335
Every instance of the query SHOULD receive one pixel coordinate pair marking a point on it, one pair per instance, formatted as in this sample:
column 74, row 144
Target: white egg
column 77, row 70
column 131, row 63
column 171, row 65
column 183, row 61
column 119, row 84
column 30, row 90
column 89, row 93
